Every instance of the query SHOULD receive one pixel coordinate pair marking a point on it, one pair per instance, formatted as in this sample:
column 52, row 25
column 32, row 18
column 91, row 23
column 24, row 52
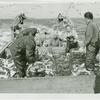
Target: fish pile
column 7, row 68
column 40, row 69
column 5, row 37
column 77, row 62
column 51, row 37
column 79, row 70
column 77, row 56
column 51, row 64
column 51, row 57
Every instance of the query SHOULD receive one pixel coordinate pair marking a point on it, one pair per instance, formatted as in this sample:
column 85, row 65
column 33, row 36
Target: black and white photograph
column 50, row 46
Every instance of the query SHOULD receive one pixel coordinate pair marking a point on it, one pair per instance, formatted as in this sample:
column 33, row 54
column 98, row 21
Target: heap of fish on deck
column 50, row 53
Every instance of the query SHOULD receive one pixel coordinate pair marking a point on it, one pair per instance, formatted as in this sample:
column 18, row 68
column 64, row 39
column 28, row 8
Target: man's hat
column 23, row 15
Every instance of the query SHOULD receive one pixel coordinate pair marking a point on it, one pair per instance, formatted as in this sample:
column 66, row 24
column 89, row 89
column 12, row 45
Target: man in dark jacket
column 23, row 50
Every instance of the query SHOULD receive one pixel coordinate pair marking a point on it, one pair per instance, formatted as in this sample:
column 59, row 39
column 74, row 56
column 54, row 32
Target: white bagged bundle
column 47, row 43
column 79, row 70
column 49, row 67
column 35, row 70
column 82, row 50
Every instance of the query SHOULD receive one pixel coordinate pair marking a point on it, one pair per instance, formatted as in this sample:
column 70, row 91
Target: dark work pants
column 91, row 52
column 19, row 61
column 21, row 67
column 97, row 85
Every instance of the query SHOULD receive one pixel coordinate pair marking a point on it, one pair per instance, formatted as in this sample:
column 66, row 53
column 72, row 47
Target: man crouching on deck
column 23, row 50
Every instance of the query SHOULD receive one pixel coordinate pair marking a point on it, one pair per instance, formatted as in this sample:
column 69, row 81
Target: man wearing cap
column 19, row 20
column 23, row 50
column 91, row 39
column 92, row 42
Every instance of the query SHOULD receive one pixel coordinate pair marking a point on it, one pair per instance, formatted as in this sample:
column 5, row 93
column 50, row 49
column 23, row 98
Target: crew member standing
column 91, row 39
column 92, row 47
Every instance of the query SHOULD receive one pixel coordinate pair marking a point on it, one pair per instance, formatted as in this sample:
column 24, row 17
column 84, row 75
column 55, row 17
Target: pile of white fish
column 47, row 37
column 7, row 68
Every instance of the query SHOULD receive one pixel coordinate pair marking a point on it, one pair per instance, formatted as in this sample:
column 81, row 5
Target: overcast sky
column 48, row 8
